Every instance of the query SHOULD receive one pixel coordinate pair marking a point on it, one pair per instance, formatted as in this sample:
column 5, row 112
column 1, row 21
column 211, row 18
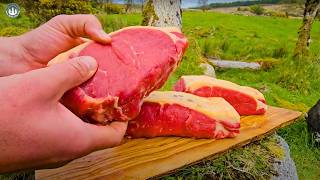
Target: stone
column 285, row 168
column 313, row 121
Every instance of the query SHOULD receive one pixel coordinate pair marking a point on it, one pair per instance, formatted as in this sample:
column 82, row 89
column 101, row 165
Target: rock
column 208, row 69
column 285, row 168
column 313, row 121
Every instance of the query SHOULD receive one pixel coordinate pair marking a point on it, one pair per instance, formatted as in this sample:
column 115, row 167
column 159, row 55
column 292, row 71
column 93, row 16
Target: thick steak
column 171, row 113
column 138, row 61
column 246, row 100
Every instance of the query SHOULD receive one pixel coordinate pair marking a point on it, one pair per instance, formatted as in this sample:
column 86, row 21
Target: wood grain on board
column 144, row 158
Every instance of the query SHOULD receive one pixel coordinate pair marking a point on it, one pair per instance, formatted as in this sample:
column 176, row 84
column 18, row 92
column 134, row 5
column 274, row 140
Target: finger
column 102, row 137
column 80, row 25
column 54, row 81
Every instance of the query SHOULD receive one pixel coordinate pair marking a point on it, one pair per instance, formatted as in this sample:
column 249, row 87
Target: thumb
column 106, row 136
column 57, row 79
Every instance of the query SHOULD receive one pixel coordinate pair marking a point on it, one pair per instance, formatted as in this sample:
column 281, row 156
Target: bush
column 211, row 48
column 43, row 10
column 280, row 51
column 207, row 48
column 257, row 9
column 113, row 24
column 299, row 74
column 112, row 8
column 242, row 9
column 12, row 31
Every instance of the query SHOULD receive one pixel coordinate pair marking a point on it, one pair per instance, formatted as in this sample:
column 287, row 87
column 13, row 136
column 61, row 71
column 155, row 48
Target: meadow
column 285, row 82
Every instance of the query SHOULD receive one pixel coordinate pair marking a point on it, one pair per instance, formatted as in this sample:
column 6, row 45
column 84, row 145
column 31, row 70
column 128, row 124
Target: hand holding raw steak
column 171, row 113
column 246, row 100
column 138, row 61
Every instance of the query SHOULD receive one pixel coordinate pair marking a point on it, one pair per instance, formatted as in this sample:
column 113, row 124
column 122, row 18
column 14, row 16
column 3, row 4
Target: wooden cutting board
column 144, row 158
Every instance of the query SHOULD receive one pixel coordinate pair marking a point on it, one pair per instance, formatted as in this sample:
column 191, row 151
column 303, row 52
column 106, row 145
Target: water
column 185, row 3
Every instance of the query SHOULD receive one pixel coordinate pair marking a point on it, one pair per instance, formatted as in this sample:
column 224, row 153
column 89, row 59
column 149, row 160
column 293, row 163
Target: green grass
column 253, row 161
column 290, row 84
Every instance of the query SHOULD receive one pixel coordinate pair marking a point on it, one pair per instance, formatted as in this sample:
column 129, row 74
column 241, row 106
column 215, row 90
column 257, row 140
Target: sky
column 185, row 3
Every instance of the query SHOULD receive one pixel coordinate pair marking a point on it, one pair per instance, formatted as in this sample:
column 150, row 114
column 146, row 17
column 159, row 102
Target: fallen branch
column 235, row 64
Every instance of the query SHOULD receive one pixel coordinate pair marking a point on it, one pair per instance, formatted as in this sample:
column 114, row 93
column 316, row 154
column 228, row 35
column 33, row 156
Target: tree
column 141, row 2
column 162, row 13
column 129, row 4
column 310, row 12
column 203, row 4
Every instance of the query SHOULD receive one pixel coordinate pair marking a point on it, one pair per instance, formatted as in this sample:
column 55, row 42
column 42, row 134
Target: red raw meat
column 171, row 113
column 138, row 61
column 246, row 100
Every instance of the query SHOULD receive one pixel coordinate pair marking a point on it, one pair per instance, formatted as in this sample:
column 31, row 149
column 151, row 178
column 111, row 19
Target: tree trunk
column 310, row 12
column 128, row 6
column 162, row 13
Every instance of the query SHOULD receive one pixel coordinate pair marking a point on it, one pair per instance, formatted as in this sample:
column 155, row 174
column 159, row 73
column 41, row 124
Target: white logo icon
column 13, row 10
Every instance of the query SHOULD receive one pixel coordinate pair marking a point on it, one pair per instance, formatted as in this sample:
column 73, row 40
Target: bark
column 162, row 13
column 129, row 4
column 235, row 64
column 310, row 12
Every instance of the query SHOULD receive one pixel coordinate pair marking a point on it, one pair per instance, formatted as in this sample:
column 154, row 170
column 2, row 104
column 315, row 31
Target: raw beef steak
column 138, row 61
column 246, row 100
column 171, row 113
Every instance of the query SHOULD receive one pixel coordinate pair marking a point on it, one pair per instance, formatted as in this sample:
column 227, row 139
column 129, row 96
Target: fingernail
column 90, row 62
column 103, row 35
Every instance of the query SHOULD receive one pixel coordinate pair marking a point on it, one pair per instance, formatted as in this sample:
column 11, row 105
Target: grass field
column 291, row 83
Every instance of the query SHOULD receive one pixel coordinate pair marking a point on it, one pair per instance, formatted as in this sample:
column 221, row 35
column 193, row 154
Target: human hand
column 36, row 48
column 36, row 130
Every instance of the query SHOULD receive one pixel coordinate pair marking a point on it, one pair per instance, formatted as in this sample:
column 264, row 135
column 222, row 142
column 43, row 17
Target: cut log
column 235, row 64
column 208, row 70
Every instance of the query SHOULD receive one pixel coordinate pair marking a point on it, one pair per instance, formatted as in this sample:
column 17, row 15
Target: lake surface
column 185, row 3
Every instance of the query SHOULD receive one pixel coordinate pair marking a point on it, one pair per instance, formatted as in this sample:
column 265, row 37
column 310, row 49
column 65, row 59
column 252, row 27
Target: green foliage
column 253, row 161
column 12, row 31
column 14, row 26
column 243, row 9
column 299, row 75
column 241, row 3
column 43, row 10
column 113, row 22
column 280, row 51
column 24, row 175
column 293, row 1
column 257, row 9
column 277, row 14
column 294, row 106
column 112, row 8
